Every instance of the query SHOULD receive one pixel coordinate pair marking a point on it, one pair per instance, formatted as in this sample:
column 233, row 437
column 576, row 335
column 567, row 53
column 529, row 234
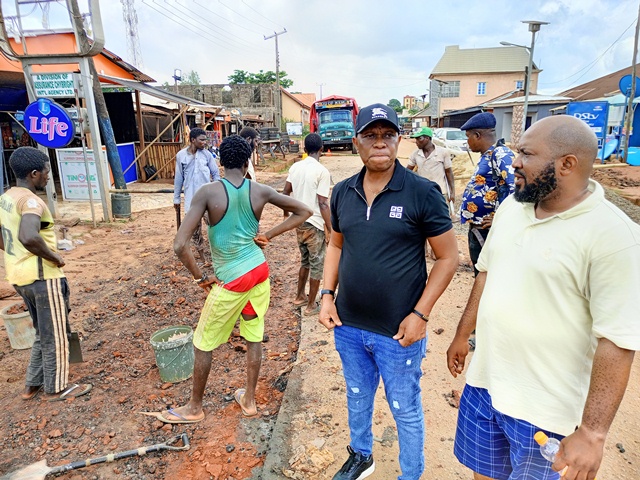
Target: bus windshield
column 331, row 116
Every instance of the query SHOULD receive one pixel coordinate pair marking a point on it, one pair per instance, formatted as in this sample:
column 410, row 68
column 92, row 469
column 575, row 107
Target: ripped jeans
column 367, row 356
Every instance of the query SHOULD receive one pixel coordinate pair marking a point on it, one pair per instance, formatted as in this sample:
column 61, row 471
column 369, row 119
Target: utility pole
column 113, row 156
column 278, row 118
column 320, row 85
column 629, row 120
column 534, row 26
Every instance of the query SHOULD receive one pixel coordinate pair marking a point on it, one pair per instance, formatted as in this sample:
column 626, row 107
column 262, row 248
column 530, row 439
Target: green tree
column 413, row 111
column 238, row 76
column 242, row 76
column 395, row 104
column 191, row 78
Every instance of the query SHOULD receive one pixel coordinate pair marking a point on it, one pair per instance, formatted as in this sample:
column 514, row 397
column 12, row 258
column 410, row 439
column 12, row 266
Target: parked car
column 451, row 138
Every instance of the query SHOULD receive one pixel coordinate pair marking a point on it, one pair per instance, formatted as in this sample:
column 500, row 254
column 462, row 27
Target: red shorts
column 247, row 281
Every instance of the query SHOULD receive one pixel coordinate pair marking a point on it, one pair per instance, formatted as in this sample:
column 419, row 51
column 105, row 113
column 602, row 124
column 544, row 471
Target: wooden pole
column 168, row 162
column 140, row 131
column 629, row 119
column 156, row 139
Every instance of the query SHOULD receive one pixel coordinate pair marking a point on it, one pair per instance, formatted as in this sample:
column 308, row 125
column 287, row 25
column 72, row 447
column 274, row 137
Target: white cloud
column 373, row 51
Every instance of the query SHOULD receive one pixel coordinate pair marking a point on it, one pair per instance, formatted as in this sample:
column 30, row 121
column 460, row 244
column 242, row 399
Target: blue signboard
column 595, row 115
column 48, row 123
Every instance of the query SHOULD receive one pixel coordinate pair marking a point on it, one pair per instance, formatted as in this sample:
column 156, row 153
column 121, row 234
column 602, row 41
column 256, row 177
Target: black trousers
column 477, row 237
column 48, row 304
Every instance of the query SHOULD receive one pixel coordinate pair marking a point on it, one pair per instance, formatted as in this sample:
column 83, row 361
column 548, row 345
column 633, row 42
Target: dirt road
column 126, row 283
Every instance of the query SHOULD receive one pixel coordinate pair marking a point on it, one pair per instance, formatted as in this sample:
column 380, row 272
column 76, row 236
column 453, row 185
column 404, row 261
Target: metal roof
column 533, row 100
column 482, row 60
column 599, row 87
column 162, row 94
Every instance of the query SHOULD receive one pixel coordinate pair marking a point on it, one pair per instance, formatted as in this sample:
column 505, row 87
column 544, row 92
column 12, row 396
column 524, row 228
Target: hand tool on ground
column 75, row 350
column 39, row 470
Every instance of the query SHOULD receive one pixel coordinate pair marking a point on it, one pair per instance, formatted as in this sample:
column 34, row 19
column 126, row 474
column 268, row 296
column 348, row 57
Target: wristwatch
column 327, row 292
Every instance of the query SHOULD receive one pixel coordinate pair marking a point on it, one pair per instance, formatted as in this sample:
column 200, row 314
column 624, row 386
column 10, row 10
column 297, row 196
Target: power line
column 205, row 35
column 247, row 18
column 590, row 64
column 242, row 39
column 190, row 18
column 225, row 19
column 262, row 15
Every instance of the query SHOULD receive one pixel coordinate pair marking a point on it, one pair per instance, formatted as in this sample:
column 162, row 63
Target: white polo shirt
column 553, row 288
column 309, row 178
column 432, row 167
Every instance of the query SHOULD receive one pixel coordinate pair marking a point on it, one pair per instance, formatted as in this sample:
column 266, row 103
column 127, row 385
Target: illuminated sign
column 48, row 123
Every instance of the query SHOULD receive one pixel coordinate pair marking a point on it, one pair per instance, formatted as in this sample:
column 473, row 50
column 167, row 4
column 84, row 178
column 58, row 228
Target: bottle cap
column 541, row 438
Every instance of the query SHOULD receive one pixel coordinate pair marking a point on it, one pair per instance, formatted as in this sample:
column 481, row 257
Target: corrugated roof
column 482, row 60
column 296, row 98
column 600, row 87
column 307, row 98
column 533, row 100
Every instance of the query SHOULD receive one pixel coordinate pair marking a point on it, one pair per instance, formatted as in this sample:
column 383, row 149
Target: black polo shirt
column 383, row 271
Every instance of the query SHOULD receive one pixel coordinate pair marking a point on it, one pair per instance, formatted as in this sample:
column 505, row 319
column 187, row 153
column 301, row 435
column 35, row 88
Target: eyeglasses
column 371, row 138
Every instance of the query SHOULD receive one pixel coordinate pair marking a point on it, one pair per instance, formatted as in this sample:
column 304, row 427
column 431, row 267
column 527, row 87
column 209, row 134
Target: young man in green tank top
column 239, row 286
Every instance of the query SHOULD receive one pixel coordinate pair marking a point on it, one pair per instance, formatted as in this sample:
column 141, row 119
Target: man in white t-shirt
column 433, row 163
column 555, row 311
column 309, row 182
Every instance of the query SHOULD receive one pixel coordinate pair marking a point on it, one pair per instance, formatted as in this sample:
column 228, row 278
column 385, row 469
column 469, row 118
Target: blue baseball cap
column 376, row 112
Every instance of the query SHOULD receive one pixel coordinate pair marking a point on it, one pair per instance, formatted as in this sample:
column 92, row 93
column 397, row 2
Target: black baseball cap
column 376, row 112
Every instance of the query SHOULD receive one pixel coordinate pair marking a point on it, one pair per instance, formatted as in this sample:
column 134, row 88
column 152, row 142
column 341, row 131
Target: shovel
column 75, row 352
column 39, row 470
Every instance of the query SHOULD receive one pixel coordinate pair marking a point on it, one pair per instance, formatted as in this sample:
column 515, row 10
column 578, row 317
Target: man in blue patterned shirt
column 492, row 180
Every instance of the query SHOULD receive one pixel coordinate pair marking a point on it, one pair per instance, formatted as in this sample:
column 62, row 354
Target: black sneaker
column 356, row 467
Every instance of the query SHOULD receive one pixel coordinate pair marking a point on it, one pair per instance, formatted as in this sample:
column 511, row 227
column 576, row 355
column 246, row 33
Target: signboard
column 53, row 84
column 73, row 174
column 294, row 128
column 48, row 123
column 334, row 104
column 593, row 114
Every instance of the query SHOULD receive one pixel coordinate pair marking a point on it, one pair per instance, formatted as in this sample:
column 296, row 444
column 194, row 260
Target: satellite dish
column 625, row 86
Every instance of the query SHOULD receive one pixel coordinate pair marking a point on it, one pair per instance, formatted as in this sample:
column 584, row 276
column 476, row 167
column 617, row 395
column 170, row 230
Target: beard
column 540, row 188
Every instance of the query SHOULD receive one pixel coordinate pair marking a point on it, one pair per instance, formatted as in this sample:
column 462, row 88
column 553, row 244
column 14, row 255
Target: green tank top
column 233, row 251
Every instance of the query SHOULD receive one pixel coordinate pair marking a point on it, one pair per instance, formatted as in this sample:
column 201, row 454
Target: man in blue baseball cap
column 490, row 184
column 381, row 219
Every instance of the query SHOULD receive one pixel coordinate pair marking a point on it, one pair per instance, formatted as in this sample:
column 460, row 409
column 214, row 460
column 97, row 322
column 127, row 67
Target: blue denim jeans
column 366, row 357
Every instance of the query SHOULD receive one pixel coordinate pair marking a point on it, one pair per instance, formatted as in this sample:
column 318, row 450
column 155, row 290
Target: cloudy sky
column 373, row 50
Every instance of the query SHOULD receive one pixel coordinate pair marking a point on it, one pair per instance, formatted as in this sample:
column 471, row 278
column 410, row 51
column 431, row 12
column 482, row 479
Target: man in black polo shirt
column 381, row 219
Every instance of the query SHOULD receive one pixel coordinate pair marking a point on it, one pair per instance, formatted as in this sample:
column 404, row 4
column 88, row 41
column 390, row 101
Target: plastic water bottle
column 549, row 447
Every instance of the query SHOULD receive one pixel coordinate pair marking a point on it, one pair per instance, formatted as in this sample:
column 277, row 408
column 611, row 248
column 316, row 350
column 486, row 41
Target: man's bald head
column 567, row 135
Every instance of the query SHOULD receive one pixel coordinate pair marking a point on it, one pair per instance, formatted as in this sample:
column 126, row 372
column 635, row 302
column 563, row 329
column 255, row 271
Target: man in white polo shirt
column 433, row 163
column 309, row 182
column 555, row 304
